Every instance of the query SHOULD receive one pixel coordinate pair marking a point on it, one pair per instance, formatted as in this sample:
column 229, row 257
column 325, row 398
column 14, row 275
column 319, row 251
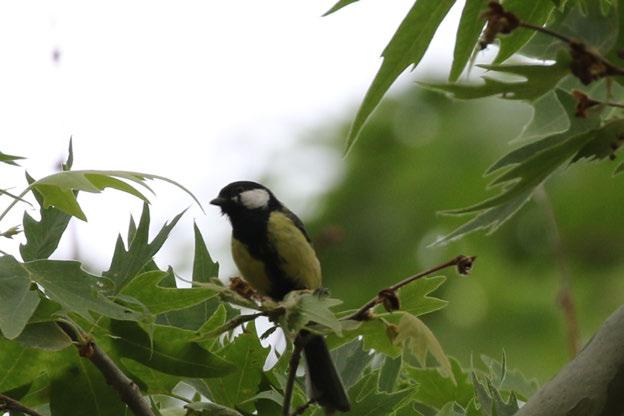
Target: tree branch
column 463, row 264
column 127, row 389
column 292, row 372
column 8, row 404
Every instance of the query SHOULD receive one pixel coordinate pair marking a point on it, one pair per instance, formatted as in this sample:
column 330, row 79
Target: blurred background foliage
column 422, row 153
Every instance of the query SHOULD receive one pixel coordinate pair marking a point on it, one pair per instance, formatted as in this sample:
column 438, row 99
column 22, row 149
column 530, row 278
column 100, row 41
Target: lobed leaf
column 407, row 47
column 414, row 299
column 170, row 350
column 436, row 389
column 470, row 26
column 58, row 189
column 539, row 80
column 339, row 5
column 17, row 301
column 9, row 159
column 157, row 299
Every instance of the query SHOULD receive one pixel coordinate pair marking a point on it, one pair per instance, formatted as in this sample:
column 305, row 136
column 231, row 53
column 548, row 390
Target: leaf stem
column 463, row 263
column 10, row 405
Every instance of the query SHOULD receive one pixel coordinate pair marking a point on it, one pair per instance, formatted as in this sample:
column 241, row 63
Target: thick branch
column 463, row 264
column 592, row 383
column 126, row 388
column 292, row 372
column 10, row 405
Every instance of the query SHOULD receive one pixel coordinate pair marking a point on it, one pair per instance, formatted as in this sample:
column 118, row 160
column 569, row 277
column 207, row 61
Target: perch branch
column 10, row 405
column 292, row 372
column 127, row 389
column 463, row 264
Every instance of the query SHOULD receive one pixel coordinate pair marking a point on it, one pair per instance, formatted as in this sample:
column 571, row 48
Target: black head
column 245, row 196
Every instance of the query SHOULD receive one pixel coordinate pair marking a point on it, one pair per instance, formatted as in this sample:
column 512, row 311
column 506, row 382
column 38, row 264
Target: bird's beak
column 219, row 201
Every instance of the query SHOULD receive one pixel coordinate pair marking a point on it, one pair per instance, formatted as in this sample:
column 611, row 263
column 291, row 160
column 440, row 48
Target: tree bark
column 590, row 385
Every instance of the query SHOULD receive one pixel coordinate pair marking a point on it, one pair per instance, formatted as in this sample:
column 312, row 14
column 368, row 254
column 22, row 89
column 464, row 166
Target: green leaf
column 351, row 360
column 539, row 80
column 76, row 290
column 19, row 366
column 43, row 236
column 407, row 47
column 414, row 299
column 44, row 335
column 248, row 356
column 548, row 118
column 149, row 380
column 81, row 390
column 370, row 402
column 9, row 159
column 436, row 389
column 17, row 301
column 339, row 5
column 470, row 25
column 536, row 12
column 204, row 267
column 128, row 263
column 170, row 350
column 418, row 338
column 389, row 373
column 512, row 381
column 57, row 189
column 157, row 299
column 303, row 307
column 209, row 409
column 492, row 404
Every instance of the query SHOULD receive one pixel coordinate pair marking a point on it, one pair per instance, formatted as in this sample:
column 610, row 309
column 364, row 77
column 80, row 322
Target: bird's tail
column 325, row 385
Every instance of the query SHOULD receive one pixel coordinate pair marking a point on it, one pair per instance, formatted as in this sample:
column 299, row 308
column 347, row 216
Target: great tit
column 273, row 252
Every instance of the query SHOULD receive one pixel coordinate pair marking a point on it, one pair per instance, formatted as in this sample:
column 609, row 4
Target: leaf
column 407, row 47
column 170, row 350
column 45, row 336
column 128, row 263
column 549, row 118
column 371, row 402
column 414, row 299
column 43, row 236
column 539, row 80
column 619, row 169
column 513, row 380
column 149, row 380
column 470, row 25
column 389, row 373
column 492, row 404
column 248, row 355
column 81, row 390
column 436, row 389
column 57, row 189
column 303, row 307
column 19, row 366
column 532, row 164
column 604, row 142
column 536, row 12
column 204, row 267
column 209, row 409
column 418, row 338
column 157, row 299
column 17, row 301
column 339, row 5
column 351, row 360
column 9, row 159
column 76, row 290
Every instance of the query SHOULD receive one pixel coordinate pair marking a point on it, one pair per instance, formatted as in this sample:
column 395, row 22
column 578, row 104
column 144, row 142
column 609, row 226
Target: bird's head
column 243, row 196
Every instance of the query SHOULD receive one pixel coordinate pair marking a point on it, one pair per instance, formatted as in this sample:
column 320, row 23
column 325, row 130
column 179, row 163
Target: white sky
column 203, row 92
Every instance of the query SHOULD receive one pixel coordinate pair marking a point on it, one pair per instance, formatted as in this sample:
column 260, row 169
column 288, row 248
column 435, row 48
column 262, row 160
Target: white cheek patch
column 255, row 198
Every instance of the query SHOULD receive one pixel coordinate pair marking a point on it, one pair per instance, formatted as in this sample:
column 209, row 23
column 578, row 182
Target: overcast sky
column 202, row 92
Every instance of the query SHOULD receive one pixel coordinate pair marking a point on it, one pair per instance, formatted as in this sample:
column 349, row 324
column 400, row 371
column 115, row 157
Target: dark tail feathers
column 323, row 379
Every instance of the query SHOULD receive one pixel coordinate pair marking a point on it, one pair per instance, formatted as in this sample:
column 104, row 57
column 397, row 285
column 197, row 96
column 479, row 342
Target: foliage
column 583, row 39
column 54, row 315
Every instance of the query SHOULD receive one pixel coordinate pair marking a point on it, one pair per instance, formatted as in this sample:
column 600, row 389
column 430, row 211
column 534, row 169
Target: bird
column 274, row 253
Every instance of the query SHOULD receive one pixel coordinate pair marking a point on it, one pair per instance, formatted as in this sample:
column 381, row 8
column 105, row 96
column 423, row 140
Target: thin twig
column 565, row 297
column 463, row 263
column 127, row 389
column 10, row 405
column 546, row 31
column 292, row 372
column 233, row 324
column 301, row 409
